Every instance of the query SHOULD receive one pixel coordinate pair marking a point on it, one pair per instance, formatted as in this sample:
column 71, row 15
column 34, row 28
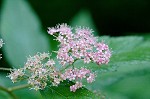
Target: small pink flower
column 16, row 74
column 64, row 29
column 50, row 62
column 1, row 43
column 73, row 88
column 91, row 78
column 78, row 85
column 52, row 30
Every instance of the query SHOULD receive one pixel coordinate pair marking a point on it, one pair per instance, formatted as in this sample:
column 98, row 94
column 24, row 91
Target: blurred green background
column 23, row 27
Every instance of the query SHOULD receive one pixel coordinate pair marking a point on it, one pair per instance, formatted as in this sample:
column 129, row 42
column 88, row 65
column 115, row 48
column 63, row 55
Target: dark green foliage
column 63, row 91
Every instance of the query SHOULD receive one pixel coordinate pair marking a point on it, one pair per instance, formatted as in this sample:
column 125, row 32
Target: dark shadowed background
column 111, row 17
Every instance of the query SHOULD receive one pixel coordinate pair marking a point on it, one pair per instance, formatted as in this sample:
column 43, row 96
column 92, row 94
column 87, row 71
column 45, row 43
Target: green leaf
column 63, row 91
column 21, row 32
column 84, row 18
column 127, row 74
column 124, row 49
column 129, row 64
column 130, row 60
column 122, row 44
column 21, row 94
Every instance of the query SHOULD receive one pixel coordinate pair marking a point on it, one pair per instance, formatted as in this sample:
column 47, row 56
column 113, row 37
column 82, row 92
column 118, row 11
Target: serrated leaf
column 21, row 32
column 130, row 63
column 122, row 44
column 63, row 92
column 127, row 48
column 132, row 58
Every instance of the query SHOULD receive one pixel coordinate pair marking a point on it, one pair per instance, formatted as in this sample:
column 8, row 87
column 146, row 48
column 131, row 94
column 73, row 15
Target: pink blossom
column 80, row 45
column 52, row 30
column 78, row 74
column 91, row 78
column 77, row 85
column 16, row 74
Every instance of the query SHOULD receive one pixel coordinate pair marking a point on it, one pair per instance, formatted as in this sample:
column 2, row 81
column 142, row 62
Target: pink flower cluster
column 77, row 75
column 16, row 74
column 38, row 69
column 79, row 45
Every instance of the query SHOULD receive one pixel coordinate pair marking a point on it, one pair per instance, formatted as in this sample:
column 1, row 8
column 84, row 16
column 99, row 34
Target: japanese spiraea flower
column 40, row 70
column 79, row 45
column 1, row 44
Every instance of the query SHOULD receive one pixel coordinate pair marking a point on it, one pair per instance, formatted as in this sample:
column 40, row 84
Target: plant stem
column 5, row 69
column 69, row 66
column 18, row 87
column 73, row 66
column 65, row 68
column 8, row 91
